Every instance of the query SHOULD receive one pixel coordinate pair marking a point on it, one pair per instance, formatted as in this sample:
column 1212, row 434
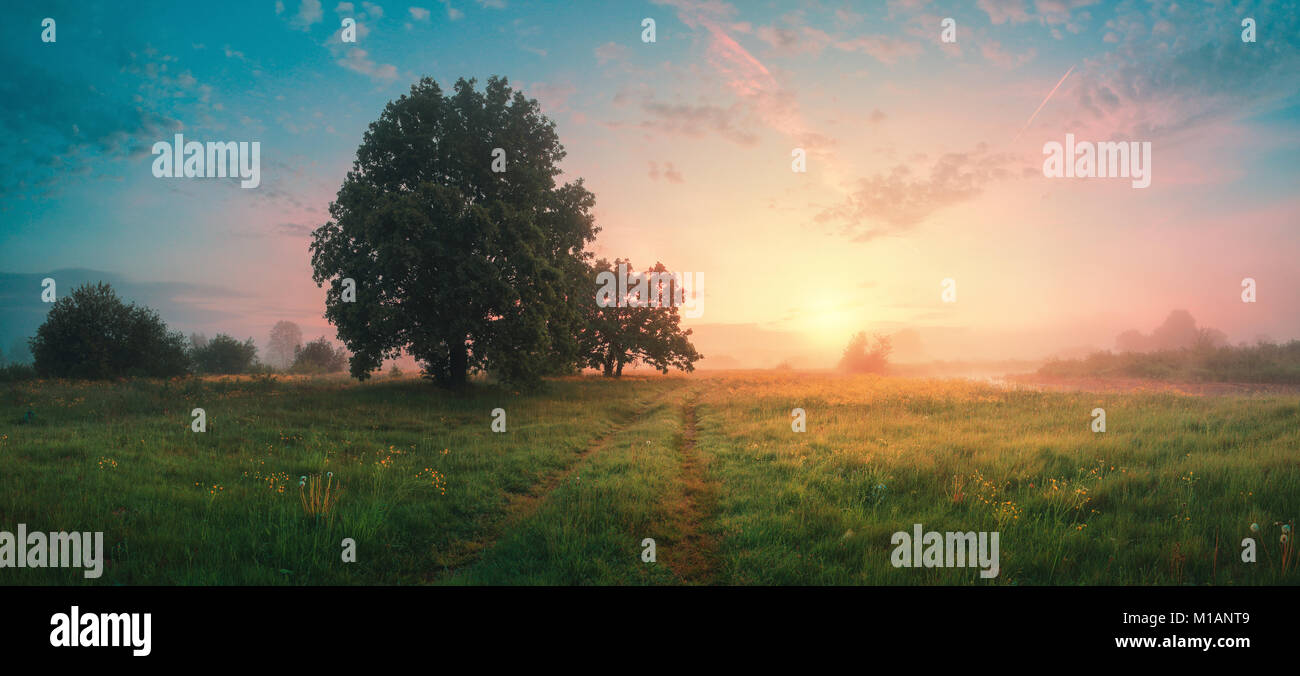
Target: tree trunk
column 618, row 372
column 457, row 362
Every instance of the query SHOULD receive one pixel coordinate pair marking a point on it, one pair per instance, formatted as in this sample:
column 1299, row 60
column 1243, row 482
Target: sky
column 924, row 158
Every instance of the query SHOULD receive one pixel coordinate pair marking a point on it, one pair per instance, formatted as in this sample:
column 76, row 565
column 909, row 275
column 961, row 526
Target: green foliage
column 319, row 356
column 225, row 355
column 647, row 330
column 10, row 373
column 464, row 268
column 91, row 334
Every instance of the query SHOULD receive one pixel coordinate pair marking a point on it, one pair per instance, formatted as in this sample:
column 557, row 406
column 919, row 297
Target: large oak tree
column 465, row 268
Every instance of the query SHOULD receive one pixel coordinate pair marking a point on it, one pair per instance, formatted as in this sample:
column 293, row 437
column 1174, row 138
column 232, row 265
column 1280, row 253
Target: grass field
column 706, row 465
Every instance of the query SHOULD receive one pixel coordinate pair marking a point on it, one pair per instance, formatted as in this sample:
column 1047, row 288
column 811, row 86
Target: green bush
column 92, row 335
column 319, row 356
column 225, row 355
column 10, row 373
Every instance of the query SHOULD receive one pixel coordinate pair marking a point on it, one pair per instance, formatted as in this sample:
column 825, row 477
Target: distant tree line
column 1178, row 350
column 91, row 334
column 1264, row 362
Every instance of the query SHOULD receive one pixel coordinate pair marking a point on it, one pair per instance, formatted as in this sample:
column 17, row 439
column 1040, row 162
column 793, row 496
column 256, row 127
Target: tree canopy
column 464, row 267
column 644, row 329
column 91, row 334
column 225, row 355
column 319, row 356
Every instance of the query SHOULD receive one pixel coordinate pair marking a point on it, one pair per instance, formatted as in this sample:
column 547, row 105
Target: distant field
column 706, row 465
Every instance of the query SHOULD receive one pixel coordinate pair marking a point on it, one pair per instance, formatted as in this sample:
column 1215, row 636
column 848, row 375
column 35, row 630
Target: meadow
column 707, row 465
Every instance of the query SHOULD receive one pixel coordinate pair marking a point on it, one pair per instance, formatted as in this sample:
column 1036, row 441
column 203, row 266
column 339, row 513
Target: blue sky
column 920, row 169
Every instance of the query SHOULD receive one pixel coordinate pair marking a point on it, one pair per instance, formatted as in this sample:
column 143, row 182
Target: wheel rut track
column 521, row 506
column 694, row 555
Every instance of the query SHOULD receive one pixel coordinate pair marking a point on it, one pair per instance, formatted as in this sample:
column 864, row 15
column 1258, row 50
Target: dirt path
column 521, row 506
column 693, row 557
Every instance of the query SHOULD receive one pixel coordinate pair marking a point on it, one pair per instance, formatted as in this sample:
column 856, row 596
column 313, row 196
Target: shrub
column 225, row 355
column 92, row 335
column 10, row 373
column 319, row 356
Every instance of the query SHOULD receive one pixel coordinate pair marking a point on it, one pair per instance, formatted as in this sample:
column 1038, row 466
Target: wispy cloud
column 893, row 202
column 309, row 13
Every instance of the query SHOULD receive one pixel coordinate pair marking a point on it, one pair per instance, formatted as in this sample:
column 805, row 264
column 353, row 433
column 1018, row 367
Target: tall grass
column 589, row 469
column 1164, row 496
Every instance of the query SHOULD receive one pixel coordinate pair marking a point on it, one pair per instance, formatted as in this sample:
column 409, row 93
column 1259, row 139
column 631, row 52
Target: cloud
column 1056, row 12
column 309, row 12
column 698, row 120
column 492, row 4
column 883, row 48
column 1155, row 83
column 994, row 53
column 760, row 93
column 359, row 61
column 793, row 40
column 1049, row 13
column 373, row 10
column 610, row 51
column 895, row 201
column 1003, row 11
column 553, row 97
column 847, row 16
column 294, row 229
column 669, row 174
column 452, row 13
column 419, row 13
column 52, row 127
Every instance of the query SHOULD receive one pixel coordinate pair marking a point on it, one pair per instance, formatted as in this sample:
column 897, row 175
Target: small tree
column 861, row 356
column 647, row 329
column 225, row 355
column 286, row 338
column 319, row 356
column 91, row 334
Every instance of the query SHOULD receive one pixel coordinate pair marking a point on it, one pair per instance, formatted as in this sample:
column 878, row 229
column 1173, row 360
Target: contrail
column 1045, row 100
